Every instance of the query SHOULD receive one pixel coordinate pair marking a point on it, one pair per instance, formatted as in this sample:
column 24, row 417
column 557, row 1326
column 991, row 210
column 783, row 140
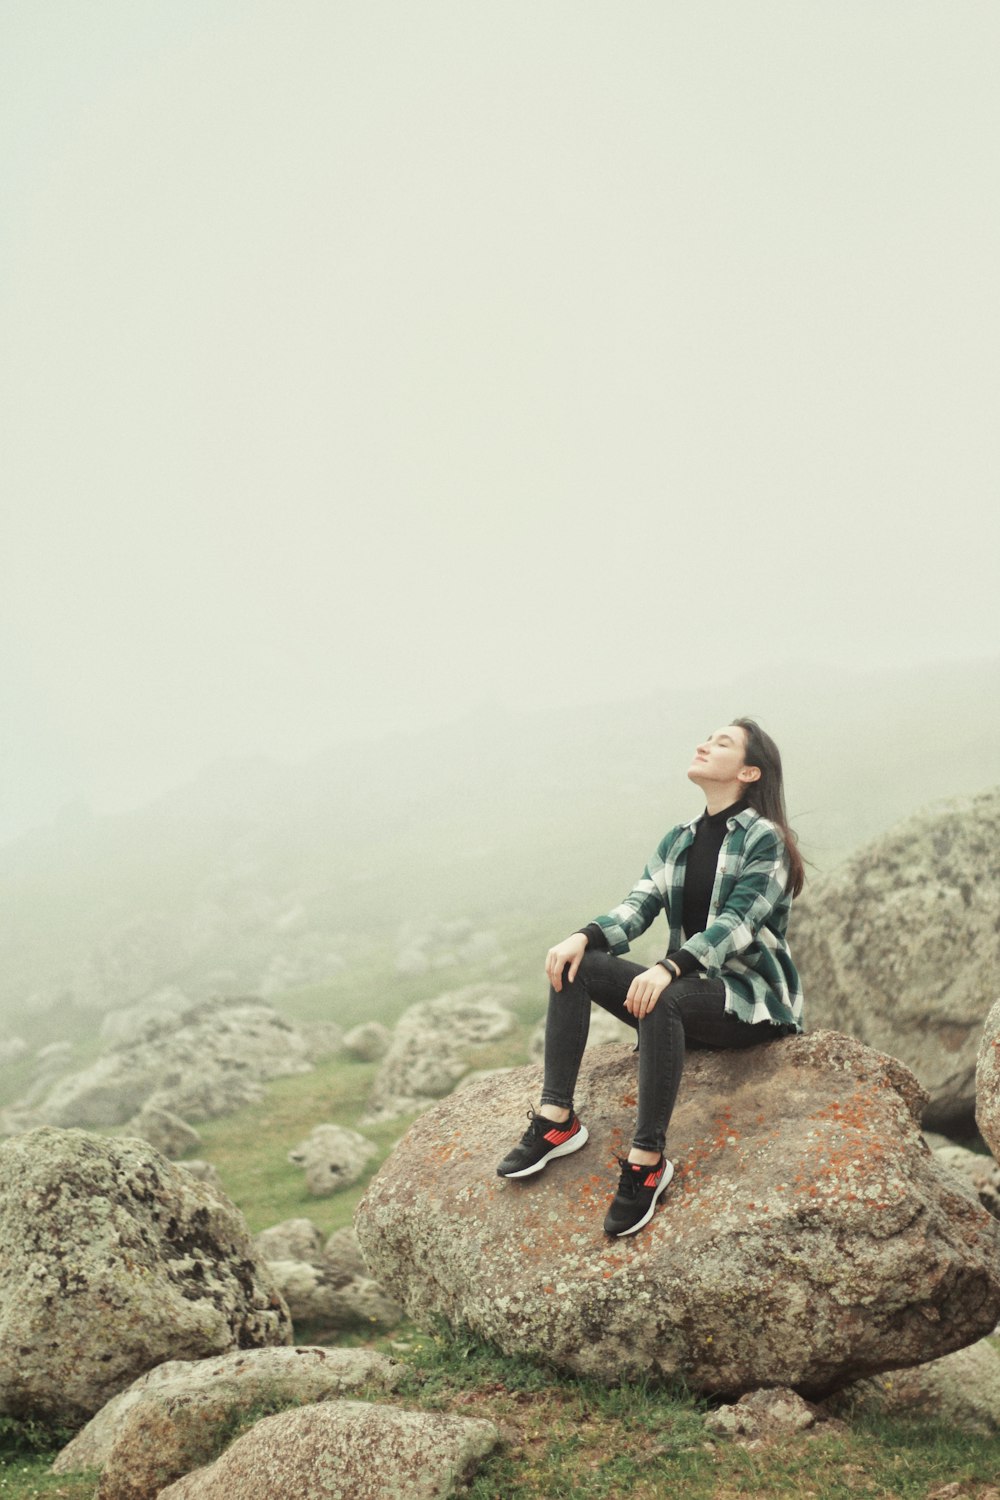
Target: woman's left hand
column 645, row 989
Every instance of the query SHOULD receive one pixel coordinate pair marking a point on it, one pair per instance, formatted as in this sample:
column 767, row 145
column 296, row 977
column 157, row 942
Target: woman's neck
column 719, row 797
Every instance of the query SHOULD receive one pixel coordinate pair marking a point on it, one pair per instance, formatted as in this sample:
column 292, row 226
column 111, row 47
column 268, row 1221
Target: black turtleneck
column 699, row 882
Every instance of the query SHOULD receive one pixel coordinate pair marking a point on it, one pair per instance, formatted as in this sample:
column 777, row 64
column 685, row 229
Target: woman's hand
column 646, row 989
column 569, row 951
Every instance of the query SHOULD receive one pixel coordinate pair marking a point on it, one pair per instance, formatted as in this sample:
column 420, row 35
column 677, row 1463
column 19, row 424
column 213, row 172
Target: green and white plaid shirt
column 744, row 942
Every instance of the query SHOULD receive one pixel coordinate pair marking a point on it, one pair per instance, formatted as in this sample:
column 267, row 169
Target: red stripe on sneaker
column 556, row 1137
column 653, row 1178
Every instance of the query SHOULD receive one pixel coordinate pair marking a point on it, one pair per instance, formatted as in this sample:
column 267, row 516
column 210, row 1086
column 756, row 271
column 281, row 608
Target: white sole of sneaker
column 566, row 1149
column 668, row 1172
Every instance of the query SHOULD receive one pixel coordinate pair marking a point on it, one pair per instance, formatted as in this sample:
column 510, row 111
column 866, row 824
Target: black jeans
column 691, row 1011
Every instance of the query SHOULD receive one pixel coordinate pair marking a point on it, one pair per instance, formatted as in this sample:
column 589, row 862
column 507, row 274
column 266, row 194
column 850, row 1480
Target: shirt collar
column 745, row 816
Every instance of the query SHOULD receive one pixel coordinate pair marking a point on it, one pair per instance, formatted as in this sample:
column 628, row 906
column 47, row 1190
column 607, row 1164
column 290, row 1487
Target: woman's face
column 721, row 757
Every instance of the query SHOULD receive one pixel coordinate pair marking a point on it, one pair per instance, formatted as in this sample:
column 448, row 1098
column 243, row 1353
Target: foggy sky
column 364, row 362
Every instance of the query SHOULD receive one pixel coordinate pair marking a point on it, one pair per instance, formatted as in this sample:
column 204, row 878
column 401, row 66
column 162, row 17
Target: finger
column 571, row 973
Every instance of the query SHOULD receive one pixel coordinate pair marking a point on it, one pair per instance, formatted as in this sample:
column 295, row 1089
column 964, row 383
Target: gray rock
column 112, row 1260
column 200, row 1063
column 342, row 1254
column 765, row 1413
column 173, row 1419
column 165, row 1132
column 809, row 1237
column 319, row 1295
column 292, row 1239
column 988, row 1082
column 900, row 946
column 127, row 1023
column 433, row 1046
column 345, row 1449
column 603, row 1028
column 333, row 1158
column 368, row 1042
column 962, row 1389
column 981, row 1174
column 204, row 1171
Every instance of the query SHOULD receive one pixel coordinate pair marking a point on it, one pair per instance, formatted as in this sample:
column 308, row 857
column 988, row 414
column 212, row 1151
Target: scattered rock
column 988, row 1082
column 171, row 1421
column 113, row 1260
column 198, row 1063
column 368, row 1042
column 962, row 1389
column 204, row 1171
column 165, row 1132
column 764, row 1413
column 863, row 934
column 334, row 1157
column 345, row 1448
column 432, row 1048
column 292, row 1239
column 319, row 1295
column 809, row 1238
column 342, row 1254
column 603, row 1028
column 981, row 1174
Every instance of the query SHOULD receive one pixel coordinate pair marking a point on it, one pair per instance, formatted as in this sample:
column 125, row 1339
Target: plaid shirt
column 744, row 942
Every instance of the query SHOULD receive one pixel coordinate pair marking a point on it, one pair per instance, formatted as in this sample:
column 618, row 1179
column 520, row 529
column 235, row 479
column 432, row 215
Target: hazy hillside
column 259, row 875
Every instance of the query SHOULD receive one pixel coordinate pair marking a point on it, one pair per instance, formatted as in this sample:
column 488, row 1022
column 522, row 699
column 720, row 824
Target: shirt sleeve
column 761, row 885
column 595, row 937
column 630, row 918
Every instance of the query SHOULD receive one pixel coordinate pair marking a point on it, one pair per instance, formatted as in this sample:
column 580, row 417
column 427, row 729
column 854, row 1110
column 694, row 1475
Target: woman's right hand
column 569, row 951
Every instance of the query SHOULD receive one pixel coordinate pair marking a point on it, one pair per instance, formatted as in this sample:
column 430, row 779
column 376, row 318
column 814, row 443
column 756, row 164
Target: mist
column 367, row 367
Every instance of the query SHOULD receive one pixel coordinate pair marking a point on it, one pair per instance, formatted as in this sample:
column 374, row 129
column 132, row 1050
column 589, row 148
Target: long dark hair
column 767, row 794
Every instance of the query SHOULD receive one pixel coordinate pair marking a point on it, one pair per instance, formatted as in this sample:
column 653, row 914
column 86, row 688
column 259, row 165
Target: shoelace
column 630, row 1180
column 534, row 1129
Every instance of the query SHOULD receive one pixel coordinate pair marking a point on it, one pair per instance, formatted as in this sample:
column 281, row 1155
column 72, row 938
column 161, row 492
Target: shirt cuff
column 685, row 961
column 595, row 936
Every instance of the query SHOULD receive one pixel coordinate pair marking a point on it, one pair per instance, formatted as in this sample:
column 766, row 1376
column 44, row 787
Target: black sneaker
column 635, row 1201
column 543, row 1140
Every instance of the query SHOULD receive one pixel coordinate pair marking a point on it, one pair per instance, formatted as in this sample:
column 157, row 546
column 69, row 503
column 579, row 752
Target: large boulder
column 198, row 1063
column 809, row 1237
column 988, row 1082
column 345, row 1448
column 434, row 1045
column 112, row 1260
column 900, row 947
column 173, row 1419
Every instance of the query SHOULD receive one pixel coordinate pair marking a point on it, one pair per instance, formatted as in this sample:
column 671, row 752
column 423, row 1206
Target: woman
column 726, row 882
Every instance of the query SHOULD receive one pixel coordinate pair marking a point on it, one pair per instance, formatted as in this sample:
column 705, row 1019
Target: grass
column 574, row 1438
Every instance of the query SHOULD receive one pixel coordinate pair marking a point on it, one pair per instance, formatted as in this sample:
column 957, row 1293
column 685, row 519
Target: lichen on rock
column 808, row 1238
column 113, row 1260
